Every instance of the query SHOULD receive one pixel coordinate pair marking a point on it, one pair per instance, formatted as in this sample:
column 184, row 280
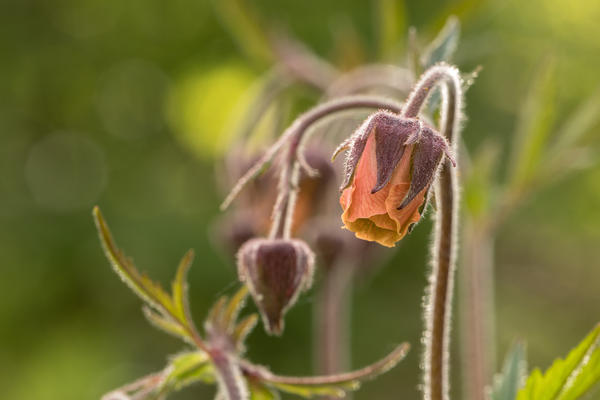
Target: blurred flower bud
column 276, row 271
column 312, row 189
column 390, row 166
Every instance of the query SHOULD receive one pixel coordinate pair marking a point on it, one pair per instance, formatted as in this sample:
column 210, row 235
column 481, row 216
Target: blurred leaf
column 244, row 25
column 243, row 329
column 230, row 314
column 336, row 385
column 442, row 48
column 188, row 368
column 258, row 391
column 180, row 287
column 580, row 122
column 570, row 378
column 512, row 377
column 535, row 123
column 479, row 187
column 166, row 324
column 391, row 24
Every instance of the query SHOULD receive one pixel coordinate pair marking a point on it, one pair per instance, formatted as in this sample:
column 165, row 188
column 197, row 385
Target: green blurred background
column 126, row 104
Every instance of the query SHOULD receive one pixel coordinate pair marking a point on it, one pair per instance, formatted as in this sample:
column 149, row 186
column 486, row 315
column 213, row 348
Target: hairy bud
column 276, row 271
column 390, row 166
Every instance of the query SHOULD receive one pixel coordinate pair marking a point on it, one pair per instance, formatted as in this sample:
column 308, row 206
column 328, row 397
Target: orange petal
column 358, row 200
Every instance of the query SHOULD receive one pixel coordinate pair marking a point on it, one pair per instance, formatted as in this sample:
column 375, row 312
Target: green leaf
column 230, row 314
column 149, row 291
column 188, row 368
column 534, row 126
column 166, row 324
column 570, row 378
column 258, row 391
column 442, row 48
column 172, row 314
column 180, row 287
column 507, row 384
column 579, row 123
column 243, row 329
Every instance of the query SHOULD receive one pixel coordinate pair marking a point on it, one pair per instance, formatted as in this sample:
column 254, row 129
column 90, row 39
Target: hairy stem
column 439, row 293
column 294, row 134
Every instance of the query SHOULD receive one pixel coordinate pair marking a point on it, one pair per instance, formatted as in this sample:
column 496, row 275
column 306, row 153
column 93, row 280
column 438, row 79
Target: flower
column 390, row 165
column 275, row 271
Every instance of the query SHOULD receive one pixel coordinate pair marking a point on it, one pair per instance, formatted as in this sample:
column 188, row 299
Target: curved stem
column 370, row 371
column 441, row 282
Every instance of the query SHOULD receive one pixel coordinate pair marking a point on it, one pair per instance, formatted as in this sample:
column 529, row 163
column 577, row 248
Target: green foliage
column 442, row 48
column 567, row 379
column 533, row 131
column 508, row 382
column 167, row 312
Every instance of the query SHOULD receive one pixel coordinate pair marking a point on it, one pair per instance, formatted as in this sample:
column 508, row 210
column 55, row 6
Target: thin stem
column 439, row 293
column 295, row 132
column 367, row 372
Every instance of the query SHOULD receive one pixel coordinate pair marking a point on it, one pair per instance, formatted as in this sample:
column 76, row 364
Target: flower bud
column 390, row 166
column 276, row 271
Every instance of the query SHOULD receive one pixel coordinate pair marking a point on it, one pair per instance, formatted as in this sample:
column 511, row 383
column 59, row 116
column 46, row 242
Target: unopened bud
column 276, row 272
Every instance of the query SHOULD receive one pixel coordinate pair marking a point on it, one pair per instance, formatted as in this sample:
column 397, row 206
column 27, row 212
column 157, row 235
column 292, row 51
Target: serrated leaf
column 568, row 378
column 534, row 126
column 442, row 48
column 149, row 291
column 512, row 377
column 243, row 329
column 230, row 314
column 213, row 320
column 180, row 288
column 166, row 324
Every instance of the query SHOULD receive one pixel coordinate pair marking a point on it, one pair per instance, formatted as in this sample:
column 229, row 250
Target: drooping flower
column 390, row 166
column 275, row 271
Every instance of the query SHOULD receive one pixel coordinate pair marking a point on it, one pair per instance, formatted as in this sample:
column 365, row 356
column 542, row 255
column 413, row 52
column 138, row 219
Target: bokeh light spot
column 204, row 104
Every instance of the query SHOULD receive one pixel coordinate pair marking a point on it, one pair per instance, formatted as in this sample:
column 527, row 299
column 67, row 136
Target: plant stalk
column 438, row 306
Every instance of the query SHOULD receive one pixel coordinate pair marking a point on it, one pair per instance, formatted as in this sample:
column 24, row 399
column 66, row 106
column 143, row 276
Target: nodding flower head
column 276, row 271
column 390, row 165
